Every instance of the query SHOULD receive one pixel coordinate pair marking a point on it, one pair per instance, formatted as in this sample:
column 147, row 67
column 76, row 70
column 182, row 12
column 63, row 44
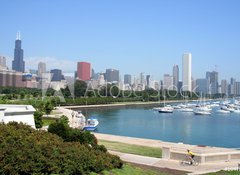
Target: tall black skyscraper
column 18, row 64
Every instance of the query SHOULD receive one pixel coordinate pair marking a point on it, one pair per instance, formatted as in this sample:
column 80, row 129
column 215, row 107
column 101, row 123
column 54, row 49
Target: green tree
column 80, row 88
column 48, row 107
column 38, row 119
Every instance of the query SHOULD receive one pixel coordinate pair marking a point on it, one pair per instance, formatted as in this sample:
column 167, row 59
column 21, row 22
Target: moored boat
column 91, row 124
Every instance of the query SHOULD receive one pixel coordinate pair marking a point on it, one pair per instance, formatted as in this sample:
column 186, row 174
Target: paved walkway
column 156, row 162
column 160, row 144
column 170, row 164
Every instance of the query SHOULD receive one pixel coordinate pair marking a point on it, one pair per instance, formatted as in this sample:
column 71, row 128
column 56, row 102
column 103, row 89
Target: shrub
column 24, row 150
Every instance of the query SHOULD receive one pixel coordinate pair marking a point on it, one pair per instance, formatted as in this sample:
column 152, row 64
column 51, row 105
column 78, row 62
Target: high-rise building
column 202, row 86
column 41, row 68
column 9, row 78
column 148, row 80
column 175, row 77
column 112, row 75
column 142, row 80
column 224, row 87
column 187, row 72
column 168, row 82
column 127, row 79
column 237, row 88
column 18, row 64
column 212, row 78
column 3, row 61
column 84, row 71
column 56, row 75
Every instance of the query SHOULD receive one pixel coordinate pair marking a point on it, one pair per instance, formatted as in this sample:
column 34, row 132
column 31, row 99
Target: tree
column 48, row 108
column 80, row 88
column 38, row 119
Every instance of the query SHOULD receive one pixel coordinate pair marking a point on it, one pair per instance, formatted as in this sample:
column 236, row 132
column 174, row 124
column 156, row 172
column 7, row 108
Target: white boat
column 166, row 109
column 91, row 124
column 202, row 112
column 222, row 111
column 204, row 108
column 186, row 110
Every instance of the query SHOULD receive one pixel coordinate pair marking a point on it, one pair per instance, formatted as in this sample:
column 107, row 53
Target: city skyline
column 118, row 38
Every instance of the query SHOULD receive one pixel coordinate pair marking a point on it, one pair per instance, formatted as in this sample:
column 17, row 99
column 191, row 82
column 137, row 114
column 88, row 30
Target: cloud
column 67, row 66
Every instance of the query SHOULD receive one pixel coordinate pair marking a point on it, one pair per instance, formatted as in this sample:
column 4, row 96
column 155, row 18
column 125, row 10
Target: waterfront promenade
column 124, row 104
column 215, row 156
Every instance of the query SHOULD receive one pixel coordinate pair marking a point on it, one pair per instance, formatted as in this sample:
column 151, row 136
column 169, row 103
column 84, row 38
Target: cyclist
column 190, row 156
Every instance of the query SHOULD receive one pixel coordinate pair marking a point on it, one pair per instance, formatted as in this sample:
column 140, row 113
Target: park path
column 175, row 165
column 170, row 164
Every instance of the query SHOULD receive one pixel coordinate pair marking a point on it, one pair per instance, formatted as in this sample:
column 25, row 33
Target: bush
column 24, row 150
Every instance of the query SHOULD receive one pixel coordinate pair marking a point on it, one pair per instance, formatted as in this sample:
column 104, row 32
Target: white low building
column 17, row 113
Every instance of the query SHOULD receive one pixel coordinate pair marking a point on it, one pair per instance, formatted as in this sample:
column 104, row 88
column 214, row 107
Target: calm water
column 216, row 130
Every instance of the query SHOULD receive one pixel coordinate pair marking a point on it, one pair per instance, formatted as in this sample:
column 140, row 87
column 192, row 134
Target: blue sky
column 133, row 36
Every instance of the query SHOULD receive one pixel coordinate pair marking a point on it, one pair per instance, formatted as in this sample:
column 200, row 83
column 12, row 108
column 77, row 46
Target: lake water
column 215, row 130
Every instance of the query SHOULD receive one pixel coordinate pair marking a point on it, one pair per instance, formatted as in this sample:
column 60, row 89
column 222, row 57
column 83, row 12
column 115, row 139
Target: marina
column 214, row 128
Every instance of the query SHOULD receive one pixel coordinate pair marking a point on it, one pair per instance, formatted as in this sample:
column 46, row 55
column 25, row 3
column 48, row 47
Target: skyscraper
column 187, row 72
column 112, row 75
column 224, row 87
column 148, row 80
column 168, row 82
column 3, row 61
column 202, row 86
column 18, row 64
column 212, row 78
column 84, row 71
column 56, row 75
column 41, row 68
column 175, row 77
column 127, row 79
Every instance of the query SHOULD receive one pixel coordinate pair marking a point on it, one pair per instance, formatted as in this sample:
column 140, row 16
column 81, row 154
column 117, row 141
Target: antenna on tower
column 18, row 36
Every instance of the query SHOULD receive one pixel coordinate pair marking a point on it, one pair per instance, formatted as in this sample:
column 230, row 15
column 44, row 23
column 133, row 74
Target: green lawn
column 48, row 121
column 132, row 149
column 130, row 170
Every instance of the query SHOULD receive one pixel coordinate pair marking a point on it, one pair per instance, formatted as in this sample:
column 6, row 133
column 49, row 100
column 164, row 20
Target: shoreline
column 126, row 104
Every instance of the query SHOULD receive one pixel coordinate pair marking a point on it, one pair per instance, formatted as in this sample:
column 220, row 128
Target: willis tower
column 18, row 64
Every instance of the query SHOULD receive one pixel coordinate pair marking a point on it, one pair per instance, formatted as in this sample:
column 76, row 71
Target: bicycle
column 189, row 162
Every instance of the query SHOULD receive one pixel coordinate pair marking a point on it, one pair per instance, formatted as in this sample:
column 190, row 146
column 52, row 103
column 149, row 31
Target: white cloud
column 67, row 66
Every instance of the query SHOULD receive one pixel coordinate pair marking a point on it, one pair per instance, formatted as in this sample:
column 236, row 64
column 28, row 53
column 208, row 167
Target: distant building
column 148, row 80
column 142, row 80
column 3, row 64
column 84, row 71
column 212, row 77
column 237, row 88
column 168, row 82
column 41, row 68
column 127, row 79
column 187, row 72
column 112, row 75
column 224, row 87
column 175, row 77
column 231, row 87
column 202, row 86
column 33, row 71
column 56, row 75
column 18, row 64
column 9, row 78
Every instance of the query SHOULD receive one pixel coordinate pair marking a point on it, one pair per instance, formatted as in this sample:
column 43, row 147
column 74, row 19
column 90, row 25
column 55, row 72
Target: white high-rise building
column 187, row 72
column 41, row 68
column 168, row 82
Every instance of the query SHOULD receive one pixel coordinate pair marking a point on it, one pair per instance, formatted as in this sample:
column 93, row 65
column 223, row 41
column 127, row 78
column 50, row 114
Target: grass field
column 131, row 170
column 48, row 121
column 132, row 149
